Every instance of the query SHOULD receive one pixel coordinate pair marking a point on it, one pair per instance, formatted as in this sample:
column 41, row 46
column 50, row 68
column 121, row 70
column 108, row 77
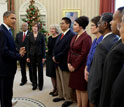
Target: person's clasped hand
column 22, row 51
column 71, row 68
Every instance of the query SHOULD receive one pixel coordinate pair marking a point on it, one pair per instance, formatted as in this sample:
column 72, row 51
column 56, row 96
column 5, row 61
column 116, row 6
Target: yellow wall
column 54, row 9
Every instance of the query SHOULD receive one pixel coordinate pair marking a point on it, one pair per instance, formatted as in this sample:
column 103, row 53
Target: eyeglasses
column 62, row 23
column 100, row 23
column 93, row 25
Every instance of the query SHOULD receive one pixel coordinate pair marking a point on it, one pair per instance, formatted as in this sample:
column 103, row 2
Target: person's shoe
column 67, row 103
column 34, row 88
column 58, row 99
column 55, row 94
column 22, row 83
column 40, row 88
column 51, row 93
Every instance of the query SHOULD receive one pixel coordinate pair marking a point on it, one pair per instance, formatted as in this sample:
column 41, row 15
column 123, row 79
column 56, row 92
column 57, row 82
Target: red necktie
column 23, row 37
column 62, row 36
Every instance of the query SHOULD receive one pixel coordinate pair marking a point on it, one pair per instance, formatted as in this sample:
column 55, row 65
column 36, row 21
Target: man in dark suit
column 8, row 58
column 117, row 93
column 21, row 41
column 60, row 57
column 96, row 71
column 113, row 63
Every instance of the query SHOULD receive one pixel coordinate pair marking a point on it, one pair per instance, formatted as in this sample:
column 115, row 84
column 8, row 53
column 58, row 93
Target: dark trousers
column 36, row 62
column 6, row 91
column 23, row 69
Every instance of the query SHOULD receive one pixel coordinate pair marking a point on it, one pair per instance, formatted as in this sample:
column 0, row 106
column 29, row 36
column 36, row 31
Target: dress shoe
column 57, row 99
column 23, row 83
column 34, row 88
column 40, row 88
column 67, row 103
column 51, row 93
column 55, row 94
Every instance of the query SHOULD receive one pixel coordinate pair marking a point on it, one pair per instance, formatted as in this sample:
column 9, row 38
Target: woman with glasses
column 99, row 37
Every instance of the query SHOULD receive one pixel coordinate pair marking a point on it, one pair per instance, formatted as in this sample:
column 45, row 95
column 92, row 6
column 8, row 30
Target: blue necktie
column 10, row 32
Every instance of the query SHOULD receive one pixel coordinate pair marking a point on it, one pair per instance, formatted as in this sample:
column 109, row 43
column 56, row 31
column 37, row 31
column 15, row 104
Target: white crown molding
column 3, row 1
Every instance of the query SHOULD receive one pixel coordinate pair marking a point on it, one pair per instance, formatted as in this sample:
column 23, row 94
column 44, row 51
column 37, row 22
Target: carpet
column 26, row 102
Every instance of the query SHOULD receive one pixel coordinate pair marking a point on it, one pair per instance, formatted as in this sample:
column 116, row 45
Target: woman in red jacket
column 77, row 56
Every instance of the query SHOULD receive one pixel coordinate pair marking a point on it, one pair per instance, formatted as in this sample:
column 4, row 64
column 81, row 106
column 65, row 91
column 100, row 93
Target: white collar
column 119, row 37
column 66, row 31
column 25, row 32
column 106, row 35
column 6, row 26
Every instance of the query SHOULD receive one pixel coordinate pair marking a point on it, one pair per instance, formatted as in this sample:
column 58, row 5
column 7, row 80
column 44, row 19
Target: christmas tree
column 32, row 16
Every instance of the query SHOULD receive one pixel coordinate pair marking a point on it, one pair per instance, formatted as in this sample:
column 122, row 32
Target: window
column 119, row 3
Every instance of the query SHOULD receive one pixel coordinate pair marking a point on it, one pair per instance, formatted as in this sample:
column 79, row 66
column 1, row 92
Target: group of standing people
column 105, row 74
column 94, row 71
column 67, row 55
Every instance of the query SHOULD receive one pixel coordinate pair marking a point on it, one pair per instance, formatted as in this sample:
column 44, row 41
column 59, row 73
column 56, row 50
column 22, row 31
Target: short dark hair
column 83, row 21
column 67, row 21
column 121, row 10
column 8, row 13
column 107, row 17
column 95, row 20
column 121, row 13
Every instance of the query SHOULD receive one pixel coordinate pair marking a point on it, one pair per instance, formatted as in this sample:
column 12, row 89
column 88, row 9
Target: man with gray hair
column 21, row 41
column 8, row 58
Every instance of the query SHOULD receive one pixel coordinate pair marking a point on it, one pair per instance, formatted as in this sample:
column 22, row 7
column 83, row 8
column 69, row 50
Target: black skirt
column 50, row 67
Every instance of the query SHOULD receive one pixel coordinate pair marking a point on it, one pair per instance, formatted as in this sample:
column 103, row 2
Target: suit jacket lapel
column 65, row 35
column 7, row 32
column 37, row 36
column 59, row 38
column 21, row 36
column 32, row 37
column 26, row 36
column 9, row 36
column 28, row 33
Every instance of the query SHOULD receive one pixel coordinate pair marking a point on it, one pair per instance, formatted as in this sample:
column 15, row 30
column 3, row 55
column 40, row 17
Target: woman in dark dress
column 77, row 56
column 36, row 55
column 50, row 65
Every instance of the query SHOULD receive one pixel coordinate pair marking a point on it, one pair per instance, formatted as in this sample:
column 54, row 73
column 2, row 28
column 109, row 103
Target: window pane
column 119, row 3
